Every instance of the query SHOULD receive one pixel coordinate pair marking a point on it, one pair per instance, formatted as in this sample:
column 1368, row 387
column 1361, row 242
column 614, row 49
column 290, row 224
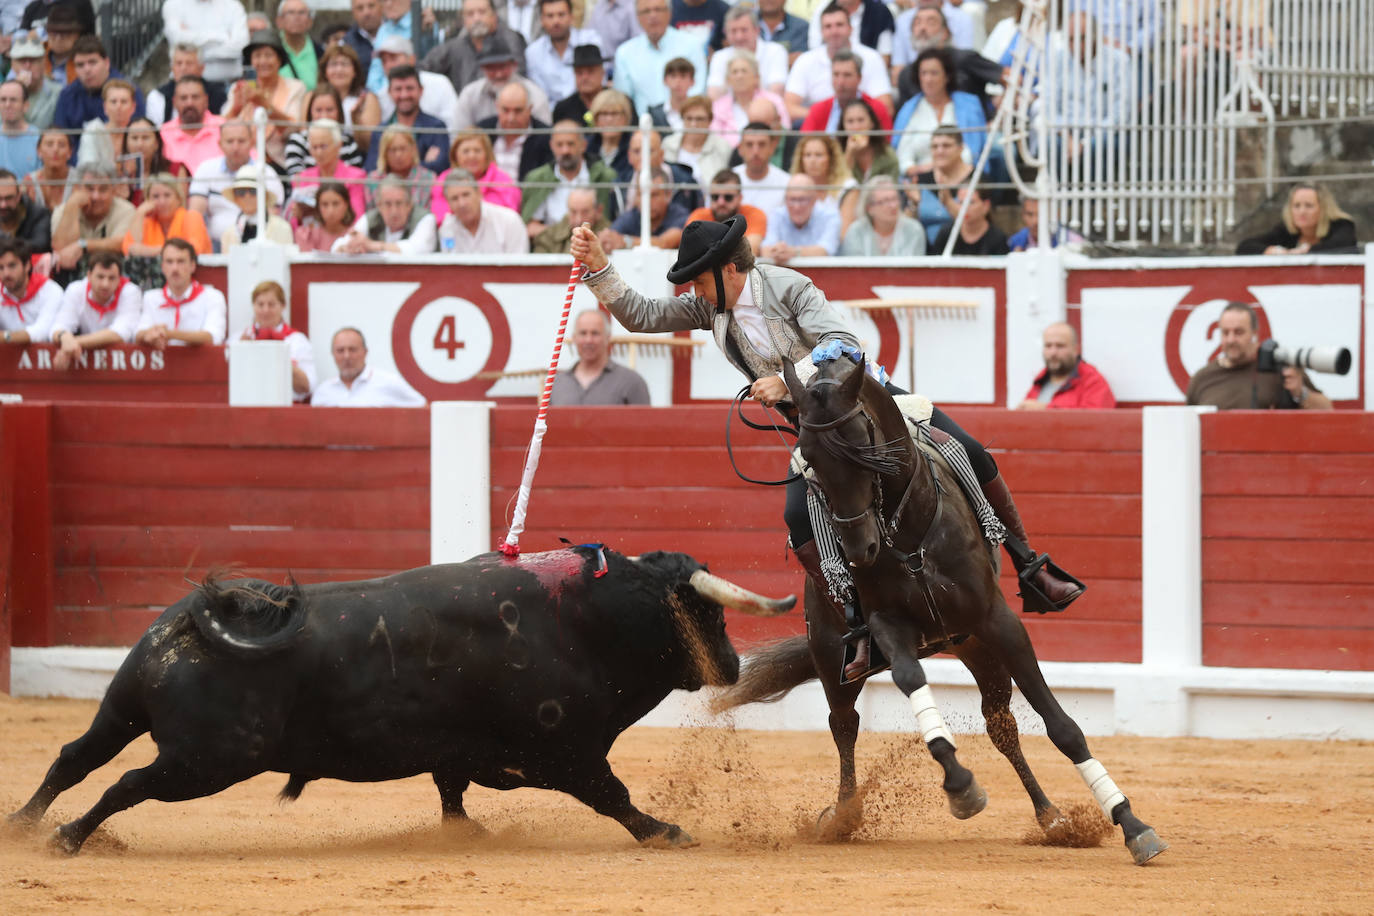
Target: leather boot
column 809, row 555
column 1058, row 587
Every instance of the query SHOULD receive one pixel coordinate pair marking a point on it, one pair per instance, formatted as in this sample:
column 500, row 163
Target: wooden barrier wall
column 135, row 499
column 643, row 478
column 1287, row 530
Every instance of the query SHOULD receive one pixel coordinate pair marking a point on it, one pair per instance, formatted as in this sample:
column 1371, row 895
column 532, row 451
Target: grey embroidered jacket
column 797, row 314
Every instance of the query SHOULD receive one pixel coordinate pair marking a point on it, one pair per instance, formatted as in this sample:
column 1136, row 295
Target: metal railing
column 1135, row 128
column 131, row 31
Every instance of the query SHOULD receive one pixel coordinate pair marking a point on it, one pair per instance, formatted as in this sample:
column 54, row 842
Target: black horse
column 927, row 581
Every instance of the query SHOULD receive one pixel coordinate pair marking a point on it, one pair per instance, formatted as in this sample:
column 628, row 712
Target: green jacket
column 534, row 197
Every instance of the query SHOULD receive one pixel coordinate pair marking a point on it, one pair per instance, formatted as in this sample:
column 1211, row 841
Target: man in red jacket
column 1067, row 381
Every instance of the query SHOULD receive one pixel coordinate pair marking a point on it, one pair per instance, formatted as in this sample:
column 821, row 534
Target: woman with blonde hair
column 472, row 151
column 163, row 215
column 612, row 111
column 883, row 230
column 398, row 156
column 1312, row 221
column 695, row 146
column 269, row 323
column 818, row 157
column 730, row 112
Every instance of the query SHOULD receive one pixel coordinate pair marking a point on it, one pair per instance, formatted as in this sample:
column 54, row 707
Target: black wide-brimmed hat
column 495, row 51
column 705, row 244
column 264, row 38
column 588, row 56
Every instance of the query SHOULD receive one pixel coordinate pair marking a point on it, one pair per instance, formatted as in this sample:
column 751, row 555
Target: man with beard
column 1068, row 380
column 29, row 302
column 457, row 57
column 928, row 29
column 518, row 139
column 431, row 134
column 727, row 200
column 478, row 98
column 22, row 218
column 185, row 62
column 596, row 380
column 437, row 98
column 1233, row 381
column 542, row 206
column 549, row 59
column 93, row 219
column 193, row 136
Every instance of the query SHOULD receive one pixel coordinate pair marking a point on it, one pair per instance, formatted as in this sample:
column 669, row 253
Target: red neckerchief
column 170, row 303
column 280, row 332
column 36, row 282
column 102, row 310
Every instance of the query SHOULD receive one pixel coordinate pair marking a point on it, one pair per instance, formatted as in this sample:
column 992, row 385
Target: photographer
column 1235, row 380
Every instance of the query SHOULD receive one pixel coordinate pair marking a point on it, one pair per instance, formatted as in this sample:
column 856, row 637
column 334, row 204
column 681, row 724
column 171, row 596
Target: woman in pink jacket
column 472, row 150
column 730, row 113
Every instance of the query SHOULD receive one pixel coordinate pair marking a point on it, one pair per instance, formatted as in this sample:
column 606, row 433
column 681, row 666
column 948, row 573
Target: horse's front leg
column 900, row 641
column 827, row 649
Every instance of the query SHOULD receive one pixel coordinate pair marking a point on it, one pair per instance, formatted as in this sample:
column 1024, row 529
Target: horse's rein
column 736, row 408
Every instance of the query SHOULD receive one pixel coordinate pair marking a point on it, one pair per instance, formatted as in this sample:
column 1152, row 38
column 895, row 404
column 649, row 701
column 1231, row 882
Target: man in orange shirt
column 726, row 201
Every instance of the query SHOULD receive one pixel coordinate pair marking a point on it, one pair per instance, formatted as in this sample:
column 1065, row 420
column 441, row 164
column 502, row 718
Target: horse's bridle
column 887, row 527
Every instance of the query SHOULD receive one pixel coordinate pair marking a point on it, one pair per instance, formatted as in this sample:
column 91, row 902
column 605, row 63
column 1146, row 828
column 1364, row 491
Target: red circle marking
column 433, row 389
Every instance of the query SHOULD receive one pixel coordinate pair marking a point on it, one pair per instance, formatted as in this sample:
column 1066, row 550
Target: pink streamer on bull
column 511, row 545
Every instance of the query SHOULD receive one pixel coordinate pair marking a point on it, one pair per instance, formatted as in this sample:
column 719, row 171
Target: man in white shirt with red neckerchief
column 183, row 313
column 100, row 310
column 28, row 303
column 358, row 384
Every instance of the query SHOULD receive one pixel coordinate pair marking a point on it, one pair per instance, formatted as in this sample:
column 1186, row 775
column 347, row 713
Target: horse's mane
column 886, row 456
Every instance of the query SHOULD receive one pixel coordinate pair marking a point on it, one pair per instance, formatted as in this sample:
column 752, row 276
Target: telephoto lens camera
column 1273, row 356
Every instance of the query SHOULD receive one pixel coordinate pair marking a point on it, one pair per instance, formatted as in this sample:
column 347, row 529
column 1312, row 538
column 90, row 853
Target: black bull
column 507, row 673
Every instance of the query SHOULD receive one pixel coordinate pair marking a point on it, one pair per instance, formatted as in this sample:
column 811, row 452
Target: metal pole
column 646, row 124
column 260, row 123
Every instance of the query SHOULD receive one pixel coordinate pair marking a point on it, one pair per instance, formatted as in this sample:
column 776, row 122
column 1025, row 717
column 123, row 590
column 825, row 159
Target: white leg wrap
column 928, row 719
column 1104, row 789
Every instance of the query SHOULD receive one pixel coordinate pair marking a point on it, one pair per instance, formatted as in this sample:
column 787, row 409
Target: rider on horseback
column 760, row 315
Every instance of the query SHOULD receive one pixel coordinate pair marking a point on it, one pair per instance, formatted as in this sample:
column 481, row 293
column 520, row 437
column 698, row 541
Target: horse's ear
column 794, row 385
column 854, row 383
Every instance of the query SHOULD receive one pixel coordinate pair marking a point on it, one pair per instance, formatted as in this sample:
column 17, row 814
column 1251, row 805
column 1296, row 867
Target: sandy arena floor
column 1274, row 827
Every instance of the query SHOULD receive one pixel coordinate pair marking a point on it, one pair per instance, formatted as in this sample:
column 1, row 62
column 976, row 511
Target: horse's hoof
column 969, row 802
column 62, row 841
column 1049, row 819
column 1145, row 846
column 672, row 838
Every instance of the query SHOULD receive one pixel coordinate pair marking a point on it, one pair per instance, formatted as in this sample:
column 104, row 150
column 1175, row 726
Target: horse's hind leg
column 994, row 684
column 1007, row 635
column 109, row 734
column 897, row 639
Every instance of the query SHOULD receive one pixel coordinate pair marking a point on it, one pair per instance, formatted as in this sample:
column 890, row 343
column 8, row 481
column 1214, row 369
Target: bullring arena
column 1239, row 724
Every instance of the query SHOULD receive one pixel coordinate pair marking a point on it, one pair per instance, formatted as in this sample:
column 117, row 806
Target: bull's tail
column 768, row 674
column 248, row 617
column 292, row 790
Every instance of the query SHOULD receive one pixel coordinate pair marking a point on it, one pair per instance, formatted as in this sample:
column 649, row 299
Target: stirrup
column 876, row 661
column 1032, row 598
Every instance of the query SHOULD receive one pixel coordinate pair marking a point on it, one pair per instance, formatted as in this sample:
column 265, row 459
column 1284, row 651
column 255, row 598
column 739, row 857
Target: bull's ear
column 794, row 385
column 854, row 382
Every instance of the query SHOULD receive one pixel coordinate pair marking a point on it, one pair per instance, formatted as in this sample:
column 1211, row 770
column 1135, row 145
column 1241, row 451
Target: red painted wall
column 1287, row 530
column 126, row 374
column 644, row 478
column 137, row 499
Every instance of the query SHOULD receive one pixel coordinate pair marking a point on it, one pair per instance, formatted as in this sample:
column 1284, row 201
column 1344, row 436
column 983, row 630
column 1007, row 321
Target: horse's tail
column 768, row 674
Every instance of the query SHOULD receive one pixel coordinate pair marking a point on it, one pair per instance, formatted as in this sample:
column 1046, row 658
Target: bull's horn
column 729, row 594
